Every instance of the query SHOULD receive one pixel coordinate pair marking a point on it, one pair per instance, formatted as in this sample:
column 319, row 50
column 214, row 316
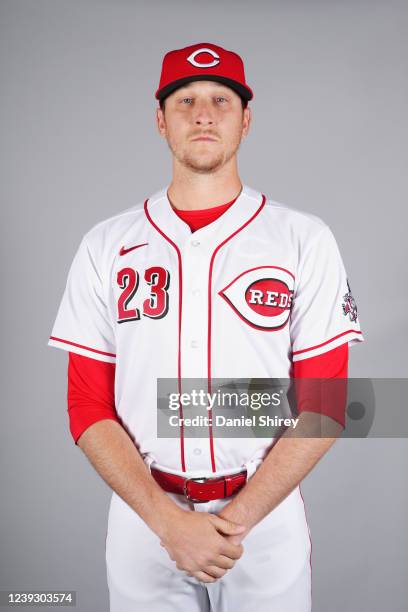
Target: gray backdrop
column 79, row 144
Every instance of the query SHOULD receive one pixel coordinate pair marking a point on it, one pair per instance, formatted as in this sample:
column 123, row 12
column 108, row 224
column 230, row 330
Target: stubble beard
column 203, row 164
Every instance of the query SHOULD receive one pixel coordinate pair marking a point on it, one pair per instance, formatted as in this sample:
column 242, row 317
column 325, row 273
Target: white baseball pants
column 272, row 575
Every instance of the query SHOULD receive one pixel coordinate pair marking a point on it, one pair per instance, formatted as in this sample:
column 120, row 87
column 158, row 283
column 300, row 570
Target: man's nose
column 203, row 114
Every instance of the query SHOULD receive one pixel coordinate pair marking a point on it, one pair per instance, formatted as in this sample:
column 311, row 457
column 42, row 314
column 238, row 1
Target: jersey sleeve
column 83, row 324
column 324, row 312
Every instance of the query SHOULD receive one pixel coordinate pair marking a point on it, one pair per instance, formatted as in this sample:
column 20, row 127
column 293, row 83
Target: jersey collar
column 161, row 215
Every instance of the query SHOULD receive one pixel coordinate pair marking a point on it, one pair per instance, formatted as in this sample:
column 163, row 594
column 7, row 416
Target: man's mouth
column 208, row 138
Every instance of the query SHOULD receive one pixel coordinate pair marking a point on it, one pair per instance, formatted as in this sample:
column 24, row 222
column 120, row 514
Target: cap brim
column 244, row 92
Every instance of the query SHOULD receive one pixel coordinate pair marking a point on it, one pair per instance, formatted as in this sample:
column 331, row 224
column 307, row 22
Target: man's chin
column 202, row 166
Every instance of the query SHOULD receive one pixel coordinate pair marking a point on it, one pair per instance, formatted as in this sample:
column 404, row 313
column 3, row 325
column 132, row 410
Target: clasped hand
column 203, row 545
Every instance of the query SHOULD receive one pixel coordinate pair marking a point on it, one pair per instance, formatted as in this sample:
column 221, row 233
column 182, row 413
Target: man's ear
column 161, row 121
column 246, row 121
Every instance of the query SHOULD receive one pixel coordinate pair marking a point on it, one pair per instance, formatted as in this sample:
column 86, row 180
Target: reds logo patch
column 349, row 305
column 200, row 64
column 262, row 297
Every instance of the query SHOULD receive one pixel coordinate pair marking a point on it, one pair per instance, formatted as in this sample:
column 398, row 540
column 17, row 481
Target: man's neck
column 193, row 191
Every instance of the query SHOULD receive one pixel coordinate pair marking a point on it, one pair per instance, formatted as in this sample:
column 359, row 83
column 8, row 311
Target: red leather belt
column 200, row 489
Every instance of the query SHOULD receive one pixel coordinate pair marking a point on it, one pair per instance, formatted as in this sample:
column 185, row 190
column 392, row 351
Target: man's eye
column 187, row 100
column 221, row 99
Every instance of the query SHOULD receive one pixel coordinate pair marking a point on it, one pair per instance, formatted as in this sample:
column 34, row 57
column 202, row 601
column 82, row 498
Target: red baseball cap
column 202, row 62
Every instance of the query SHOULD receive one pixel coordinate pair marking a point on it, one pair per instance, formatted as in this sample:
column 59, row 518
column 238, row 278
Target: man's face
column 203, row 123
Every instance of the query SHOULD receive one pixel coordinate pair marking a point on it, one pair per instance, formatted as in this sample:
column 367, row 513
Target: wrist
column 236, row 512
column 164, row 517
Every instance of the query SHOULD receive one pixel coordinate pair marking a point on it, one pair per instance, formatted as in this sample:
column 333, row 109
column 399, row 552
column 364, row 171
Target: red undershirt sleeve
column 91, row 393
column 314, row 396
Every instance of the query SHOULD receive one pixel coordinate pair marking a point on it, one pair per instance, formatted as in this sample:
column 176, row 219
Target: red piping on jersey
column 256, row 213
column 182, row 458
column 310, row 540
column 82, row 346
column 349, row 331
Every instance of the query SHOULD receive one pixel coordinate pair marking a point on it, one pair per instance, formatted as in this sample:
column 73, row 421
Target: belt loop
column 251, row 466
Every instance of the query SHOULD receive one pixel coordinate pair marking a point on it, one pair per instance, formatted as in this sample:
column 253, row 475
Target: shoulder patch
column 349, row 305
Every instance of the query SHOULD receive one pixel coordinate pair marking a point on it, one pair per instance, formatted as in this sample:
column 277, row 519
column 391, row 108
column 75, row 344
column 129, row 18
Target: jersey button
column 197, row 451
column 196, row 292
column 194, row 344
column 195, row 243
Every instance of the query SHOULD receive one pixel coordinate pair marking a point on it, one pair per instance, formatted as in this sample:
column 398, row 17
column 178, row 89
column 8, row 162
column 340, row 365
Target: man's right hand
column 195, row 542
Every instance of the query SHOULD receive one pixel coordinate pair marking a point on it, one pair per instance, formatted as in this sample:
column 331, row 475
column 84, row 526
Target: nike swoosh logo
column 124, row 251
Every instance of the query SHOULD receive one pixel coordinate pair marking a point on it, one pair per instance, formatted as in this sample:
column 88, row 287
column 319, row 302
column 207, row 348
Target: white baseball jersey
column 260, row 287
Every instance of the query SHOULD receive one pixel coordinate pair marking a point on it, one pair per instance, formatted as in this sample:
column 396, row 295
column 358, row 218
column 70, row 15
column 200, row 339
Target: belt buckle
column 186, row 493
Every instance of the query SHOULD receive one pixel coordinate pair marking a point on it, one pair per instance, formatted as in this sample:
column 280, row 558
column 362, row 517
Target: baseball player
column 207, row 278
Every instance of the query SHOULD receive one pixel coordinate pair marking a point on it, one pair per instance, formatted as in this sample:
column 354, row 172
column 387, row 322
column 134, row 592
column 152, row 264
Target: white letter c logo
column 192, row 60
